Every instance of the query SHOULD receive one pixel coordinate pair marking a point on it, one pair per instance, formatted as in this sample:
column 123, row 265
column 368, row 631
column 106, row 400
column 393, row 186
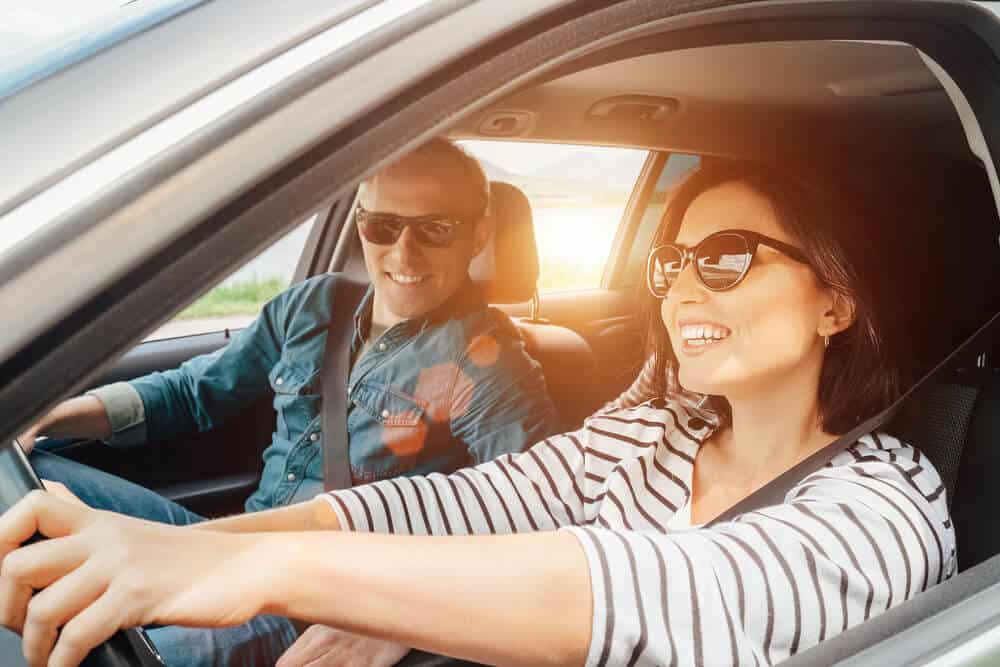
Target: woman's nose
column 687, row 287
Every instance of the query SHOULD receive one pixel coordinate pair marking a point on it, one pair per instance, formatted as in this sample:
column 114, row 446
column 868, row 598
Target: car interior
column 873, row 117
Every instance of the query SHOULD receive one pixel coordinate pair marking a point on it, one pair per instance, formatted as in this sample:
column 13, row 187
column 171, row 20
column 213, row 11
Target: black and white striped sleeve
column 863, row 534
column 553, row 484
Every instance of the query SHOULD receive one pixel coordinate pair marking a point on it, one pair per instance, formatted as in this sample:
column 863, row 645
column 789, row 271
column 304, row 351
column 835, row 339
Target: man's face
column 411, row 279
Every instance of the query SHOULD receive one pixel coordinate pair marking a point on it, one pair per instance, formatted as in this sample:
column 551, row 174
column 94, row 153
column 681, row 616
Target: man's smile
column 406, row 278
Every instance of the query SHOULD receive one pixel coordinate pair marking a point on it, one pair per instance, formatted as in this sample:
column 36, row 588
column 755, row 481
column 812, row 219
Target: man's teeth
column 702, row 334
column 407, row 280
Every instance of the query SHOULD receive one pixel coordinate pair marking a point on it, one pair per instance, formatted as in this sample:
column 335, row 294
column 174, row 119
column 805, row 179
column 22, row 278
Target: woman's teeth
column 702, row 334
column 404, row 279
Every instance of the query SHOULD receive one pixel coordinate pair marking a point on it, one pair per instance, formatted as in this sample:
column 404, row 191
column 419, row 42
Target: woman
column 758, row 308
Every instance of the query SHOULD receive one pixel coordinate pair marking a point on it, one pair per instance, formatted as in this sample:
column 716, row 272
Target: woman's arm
column 521, row 600
column 754, row 590
column 313, row 515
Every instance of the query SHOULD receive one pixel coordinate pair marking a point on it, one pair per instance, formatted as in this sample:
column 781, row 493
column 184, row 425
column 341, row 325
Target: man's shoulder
column 313, row 295
column 487, row 323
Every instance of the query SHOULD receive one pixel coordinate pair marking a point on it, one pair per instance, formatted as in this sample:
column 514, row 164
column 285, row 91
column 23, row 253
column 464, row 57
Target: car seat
column 507, row 272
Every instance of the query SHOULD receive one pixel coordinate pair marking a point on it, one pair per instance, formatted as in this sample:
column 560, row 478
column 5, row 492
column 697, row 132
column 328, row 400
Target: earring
column 826, row 341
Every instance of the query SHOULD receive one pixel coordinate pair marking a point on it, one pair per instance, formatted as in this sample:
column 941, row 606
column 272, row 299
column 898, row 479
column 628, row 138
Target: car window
column 236, row 301
column 577, row 195
column 677, row 166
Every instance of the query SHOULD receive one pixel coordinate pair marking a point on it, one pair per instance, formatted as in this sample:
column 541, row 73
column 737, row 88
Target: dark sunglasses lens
column 664, row 267
column 723, row 260
column 380, row 232
column 436, row 234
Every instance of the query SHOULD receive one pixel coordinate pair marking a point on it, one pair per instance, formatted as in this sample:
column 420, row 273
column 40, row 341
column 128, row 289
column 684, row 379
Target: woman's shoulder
column 880, row 447
column 886, row 465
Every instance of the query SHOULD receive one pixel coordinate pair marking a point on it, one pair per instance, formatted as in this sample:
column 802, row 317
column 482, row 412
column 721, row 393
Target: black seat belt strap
column 333, row 378
column 774, row 492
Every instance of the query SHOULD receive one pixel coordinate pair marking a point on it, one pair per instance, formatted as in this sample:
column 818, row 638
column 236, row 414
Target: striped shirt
column 864, row 533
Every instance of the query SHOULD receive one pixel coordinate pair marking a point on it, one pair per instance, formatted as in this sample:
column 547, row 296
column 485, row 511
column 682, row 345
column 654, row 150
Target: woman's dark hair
column 859, row 377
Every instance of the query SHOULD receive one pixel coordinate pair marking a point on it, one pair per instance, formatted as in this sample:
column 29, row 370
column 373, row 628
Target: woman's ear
column 839, row 314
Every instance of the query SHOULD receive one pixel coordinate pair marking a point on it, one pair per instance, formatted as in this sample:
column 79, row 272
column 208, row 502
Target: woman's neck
column 773, row 430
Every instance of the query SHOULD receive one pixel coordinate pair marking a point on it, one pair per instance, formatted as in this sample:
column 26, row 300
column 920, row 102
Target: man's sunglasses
column 433, row 231
column 721, row 260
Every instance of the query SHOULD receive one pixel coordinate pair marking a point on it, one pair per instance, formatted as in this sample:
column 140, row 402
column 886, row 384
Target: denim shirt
column 451, row 389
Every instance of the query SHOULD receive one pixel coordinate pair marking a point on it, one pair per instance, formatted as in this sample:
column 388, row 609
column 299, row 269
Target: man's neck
column 382, row 317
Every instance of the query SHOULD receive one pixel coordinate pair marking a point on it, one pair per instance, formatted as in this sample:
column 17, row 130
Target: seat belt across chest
column 333, row 378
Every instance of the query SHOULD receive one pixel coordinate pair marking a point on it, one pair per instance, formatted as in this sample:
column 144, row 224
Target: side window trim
column 318, row 254
column 631, row 219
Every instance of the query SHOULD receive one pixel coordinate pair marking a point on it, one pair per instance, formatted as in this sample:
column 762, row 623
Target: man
column 438, row 380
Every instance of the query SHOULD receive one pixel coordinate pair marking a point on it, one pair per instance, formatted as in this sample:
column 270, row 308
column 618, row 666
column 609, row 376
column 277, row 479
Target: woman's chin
column 703, row 383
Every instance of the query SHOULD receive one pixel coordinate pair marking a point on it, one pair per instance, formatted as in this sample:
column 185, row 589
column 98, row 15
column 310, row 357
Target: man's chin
column 410, row 308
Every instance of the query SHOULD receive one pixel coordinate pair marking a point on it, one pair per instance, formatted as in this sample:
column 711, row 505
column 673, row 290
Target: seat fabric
column 507, row 272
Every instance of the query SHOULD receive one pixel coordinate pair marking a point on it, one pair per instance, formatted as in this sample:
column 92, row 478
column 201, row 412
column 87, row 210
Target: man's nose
column 407, row 244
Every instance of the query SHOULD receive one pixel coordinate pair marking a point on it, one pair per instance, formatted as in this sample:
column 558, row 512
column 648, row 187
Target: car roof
column 716, row 96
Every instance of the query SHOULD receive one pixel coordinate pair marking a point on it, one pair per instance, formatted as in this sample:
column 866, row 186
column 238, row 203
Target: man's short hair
column 467, row 176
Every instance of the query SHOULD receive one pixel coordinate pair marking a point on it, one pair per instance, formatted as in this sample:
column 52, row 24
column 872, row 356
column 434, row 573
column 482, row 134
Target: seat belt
column 774, row 492
column 333, row 383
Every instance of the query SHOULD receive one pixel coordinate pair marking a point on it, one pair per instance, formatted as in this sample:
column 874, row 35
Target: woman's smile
column 699, row 336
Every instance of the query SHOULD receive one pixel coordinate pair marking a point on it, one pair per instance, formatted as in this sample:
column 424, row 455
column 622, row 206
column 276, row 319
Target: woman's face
column 740, row 340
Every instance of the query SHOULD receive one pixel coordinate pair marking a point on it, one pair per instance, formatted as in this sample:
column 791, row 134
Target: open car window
column 235, row 301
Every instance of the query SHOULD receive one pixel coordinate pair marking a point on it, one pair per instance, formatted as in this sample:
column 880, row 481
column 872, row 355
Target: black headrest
column 507, row 269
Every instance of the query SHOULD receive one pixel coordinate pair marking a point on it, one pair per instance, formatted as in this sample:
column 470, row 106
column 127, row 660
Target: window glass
column 577, row 195
column 676, row 168
column 236, row 301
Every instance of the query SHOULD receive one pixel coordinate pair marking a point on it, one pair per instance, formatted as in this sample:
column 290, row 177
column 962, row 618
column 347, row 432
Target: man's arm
column 80, row 417
column 500, row 404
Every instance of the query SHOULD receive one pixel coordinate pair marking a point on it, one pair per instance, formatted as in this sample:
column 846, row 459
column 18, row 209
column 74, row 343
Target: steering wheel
column 127, row 648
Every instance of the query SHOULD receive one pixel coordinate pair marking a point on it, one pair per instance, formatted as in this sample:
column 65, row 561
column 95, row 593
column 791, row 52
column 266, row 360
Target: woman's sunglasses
column 721, row 260
column 432, row 231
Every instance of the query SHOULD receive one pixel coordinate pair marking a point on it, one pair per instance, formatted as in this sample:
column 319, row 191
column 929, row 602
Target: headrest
column 506, row 271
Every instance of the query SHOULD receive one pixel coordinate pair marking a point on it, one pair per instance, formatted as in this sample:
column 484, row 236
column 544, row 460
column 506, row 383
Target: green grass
column 247, row 297
column 242, row 298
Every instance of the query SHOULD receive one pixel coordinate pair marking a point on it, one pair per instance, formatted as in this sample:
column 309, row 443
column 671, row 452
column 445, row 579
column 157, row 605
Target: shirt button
column 381, row 347
column 291, row 477
column 279, row 381
column 385, row 414
column 314, row 437
column 696, row 423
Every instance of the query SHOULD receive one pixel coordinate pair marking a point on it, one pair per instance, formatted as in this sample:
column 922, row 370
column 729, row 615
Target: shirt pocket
column 389, row 406
column 296, row 397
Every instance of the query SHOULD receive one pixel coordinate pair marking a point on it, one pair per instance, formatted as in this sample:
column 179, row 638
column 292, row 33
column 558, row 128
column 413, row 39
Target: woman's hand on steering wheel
column 100, row 571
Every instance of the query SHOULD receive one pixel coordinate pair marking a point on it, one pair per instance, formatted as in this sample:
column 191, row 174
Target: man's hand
column 321, row 646
column 100, row 571
column 28, row 438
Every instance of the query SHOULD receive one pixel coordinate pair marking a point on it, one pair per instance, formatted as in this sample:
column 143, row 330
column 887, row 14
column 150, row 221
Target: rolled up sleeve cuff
column 126, row 413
